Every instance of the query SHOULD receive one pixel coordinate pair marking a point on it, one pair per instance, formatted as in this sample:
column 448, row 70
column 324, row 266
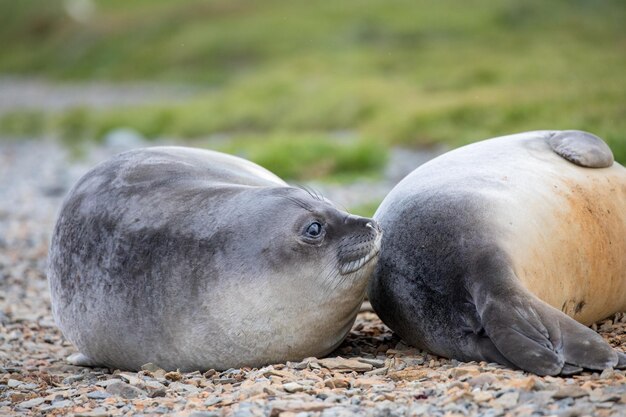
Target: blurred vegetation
column 285, row 81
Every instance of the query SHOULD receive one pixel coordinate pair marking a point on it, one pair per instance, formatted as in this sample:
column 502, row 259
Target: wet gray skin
column 194, row 259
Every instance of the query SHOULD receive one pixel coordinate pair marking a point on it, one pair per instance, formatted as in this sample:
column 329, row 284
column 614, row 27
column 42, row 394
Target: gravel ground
column 373, row 373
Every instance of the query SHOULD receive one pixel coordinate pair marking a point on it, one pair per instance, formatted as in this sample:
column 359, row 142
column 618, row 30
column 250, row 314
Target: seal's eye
column 314, row 229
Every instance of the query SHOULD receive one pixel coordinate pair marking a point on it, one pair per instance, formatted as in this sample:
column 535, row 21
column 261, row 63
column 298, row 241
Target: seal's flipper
column 520, row 335
column 583, row 347
column 581, row 148
column 78, row 359
column 570, row 370
column 541, row 339
column 483, row 349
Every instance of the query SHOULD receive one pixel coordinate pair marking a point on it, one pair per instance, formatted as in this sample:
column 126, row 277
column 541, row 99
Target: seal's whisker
column 311, row 191
column 298, row 202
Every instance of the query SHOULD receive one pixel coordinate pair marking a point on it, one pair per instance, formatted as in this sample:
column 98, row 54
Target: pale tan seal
column 492, row 251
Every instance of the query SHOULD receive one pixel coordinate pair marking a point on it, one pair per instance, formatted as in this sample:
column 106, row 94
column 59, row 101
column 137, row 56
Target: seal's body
column 489, row 248
column 194, row 259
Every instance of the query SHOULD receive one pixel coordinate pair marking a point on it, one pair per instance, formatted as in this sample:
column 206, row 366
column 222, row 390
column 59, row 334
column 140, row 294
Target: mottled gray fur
column 193, row 259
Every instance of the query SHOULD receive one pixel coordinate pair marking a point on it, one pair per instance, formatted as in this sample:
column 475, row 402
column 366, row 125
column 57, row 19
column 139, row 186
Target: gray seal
column 499, row 250
column 193, row 259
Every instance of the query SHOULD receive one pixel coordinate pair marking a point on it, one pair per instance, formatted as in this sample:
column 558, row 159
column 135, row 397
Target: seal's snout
column 361, row 245
column 357, row 221
column 351, row 219
column 374, row 226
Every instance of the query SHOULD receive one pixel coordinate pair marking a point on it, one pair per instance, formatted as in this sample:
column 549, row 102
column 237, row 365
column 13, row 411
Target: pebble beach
column 373, row 373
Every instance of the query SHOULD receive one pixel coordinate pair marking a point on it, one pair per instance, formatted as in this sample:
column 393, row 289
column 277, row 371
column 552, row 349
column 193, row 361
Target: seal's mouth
column 358, row 250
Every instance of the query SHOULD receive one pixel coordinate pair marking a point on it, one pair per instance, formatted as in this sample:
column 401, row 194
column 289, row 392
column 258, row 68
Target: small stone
column 205, row 414
column 174, row 376
column 570, row 391
column 271, row 391
column 337, row 383
column 305, row 363
column 527, row 384
column 251, row 388
column 540, row 385
column 96, row 412
column 151, row 383
column 158, row 374
column 72, row 379
column 98, row 395
column 482, row 396
column 130, row 378
column 180, row 387
column 597, row 396
column 274, row 372
column 481, row 380
column 212, row 401
column 292, row 387
column 606, row 325
column 376, row 363
column 378, row 371
column 62, row 404
column 107, row 382
column 279, row 407
column 463, row 372
column 150, row 367
column 367, row 382
column 157, row 393
column 342, row 364
column 246, row 410
column 31, row 403
column 508, row 400
column 14, row 383
column 154, row 389
column 125, row 390
column 225, row 381
column 17, row 397
column 409, row 374
column 608, row 373
column 55, row 396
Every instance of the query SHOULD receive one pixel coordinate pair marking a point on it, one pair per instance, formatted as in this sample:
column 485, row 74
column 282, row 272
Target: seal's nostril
column 371, row 224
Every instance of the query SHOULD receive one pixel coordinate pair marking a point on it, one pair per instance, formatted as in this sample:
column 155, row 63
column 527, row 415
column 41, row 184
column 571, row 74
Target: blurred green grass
column 284, row 79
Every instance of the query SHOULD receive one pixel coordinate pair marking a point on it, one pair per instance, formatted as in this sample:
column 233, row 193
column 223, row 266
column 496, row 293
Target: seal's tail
column 541, row 339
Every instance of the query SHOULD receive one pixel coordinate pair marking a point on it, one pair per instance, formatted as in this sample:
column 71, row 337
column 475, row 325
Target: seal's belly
column 566, row 237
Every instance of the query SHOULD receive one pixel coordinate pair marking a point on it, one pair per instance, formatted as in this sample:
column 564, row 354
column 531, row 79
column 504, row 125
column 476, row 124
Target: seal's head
column 323, row 236
column 306, row 270
column 305, row 239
